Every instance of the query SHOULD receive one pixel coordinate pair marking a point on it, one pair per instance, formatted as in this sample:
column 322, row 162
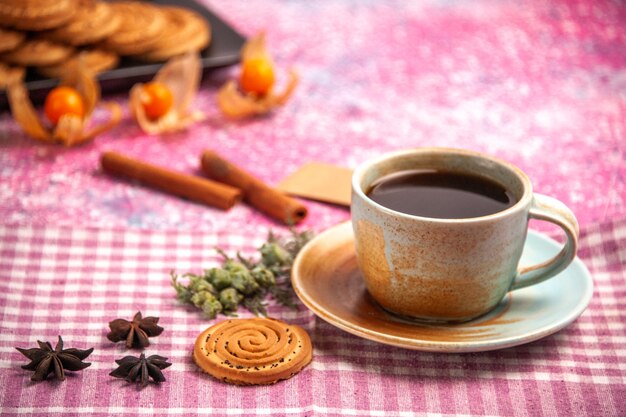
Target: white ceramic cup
column 451, row 270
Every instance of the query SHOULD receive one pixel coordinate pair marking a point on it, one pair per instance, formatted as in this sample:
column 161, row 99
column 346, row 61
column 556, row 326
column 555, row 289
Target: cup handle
column 551, row 210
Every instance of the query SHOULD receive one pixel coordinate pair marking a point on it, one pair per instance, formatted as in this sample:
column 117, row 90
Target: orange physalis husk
column 71, row 129
column 238, row 104
column 181, row 75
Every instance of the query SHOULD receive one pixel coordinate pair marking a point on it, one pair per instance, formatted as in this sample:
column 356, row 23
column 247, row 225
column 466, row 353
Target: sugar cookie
column 140, row 28
column 37, row 52
column 257, row 351
column 92, row 22
column 95, row 60
column 10, row 39
column 185, row 31
column 36, row 14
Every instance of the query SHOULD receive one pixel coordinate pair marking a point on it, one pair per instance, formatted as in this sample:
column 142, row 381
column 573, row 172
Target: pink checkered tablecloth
column 538, row 83
column 72, row 281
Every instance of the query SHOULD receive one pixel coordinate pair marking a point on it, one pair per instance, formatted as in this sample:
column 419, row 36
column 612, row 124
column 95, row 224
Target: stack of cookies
column 48, row 35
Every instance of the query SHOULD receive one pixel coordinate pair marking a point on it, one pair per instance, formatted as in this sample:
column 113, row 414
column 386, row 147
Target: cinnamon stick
column 264, row 198
column 194, row 188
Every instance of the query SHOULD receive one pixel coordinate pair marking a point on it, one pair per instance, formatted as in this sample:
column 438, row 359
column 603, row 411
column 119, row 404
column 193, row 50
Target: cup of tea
column 439, row 232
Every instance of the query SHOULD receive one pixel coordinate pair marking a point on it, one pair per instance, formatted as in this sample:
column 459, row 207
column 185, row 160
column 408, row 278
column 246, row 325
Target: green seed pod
column 273, row 254
column 244, row 282
column 230, row 298
column 203, row 285
column 194, row 280
column 211, row 306
column 263, row 276
column 198, row 298
column 233, row 266
column 220, row 278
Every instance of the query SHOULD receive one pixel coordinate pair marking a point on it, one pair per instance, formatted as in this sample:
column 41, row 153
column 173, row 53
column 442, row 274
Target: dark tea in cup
column 440, row 194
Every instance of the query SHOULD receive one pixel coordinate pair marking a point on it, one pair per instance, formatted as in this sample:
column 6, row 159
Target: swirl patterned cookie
column 93, row 21
column 10, row 39
column 95, row 61
column 36, row 14
column 37, row 52
column 185, row 31
column 140, row 28
column 256, row 351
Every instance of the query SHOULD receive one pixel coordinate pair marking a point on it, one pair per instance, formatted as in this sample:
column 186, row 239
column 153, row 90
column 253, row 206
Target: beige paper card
column 319, row 181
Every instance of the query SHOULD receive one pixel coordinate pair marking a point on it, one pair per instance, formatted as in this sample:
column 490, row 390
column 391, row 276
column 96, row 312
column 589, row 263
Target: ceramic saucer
column 327, row 280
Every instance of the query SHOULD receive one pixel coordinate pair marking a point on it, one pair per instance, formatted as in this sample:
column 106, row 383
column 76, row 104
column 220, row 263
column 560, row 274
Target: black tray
column 222, row 51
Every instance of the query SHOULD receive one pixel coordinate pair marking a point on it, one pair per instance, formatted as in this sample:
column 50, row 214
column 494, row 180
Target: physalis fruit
column 162, row 105
column 68, row 108
column 61, row 101
column 255, row 93
column 157, row 99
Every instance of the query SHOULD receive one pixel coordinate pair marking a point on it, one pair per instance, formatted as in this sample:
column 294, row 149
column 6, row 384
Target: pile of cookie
column 48, row 35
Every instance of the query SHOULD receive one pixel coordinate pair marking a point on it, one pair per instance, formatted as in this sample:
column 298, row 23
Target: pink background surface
column 541, row 84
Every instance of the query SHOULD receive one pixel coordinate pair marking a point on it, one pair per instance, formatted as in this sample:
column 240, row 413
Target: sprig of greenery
column 243, row 281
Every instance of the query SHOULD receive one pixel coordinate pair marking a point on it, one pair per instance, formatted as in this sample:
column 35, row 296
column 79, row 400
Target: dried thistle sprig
column 243, row 281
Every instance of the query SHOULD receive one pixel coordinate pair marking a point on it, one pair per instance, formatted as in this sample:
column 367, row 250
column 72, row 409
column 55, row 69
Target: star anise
column 44, row 360
column 141, row 369
column 135, row 332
